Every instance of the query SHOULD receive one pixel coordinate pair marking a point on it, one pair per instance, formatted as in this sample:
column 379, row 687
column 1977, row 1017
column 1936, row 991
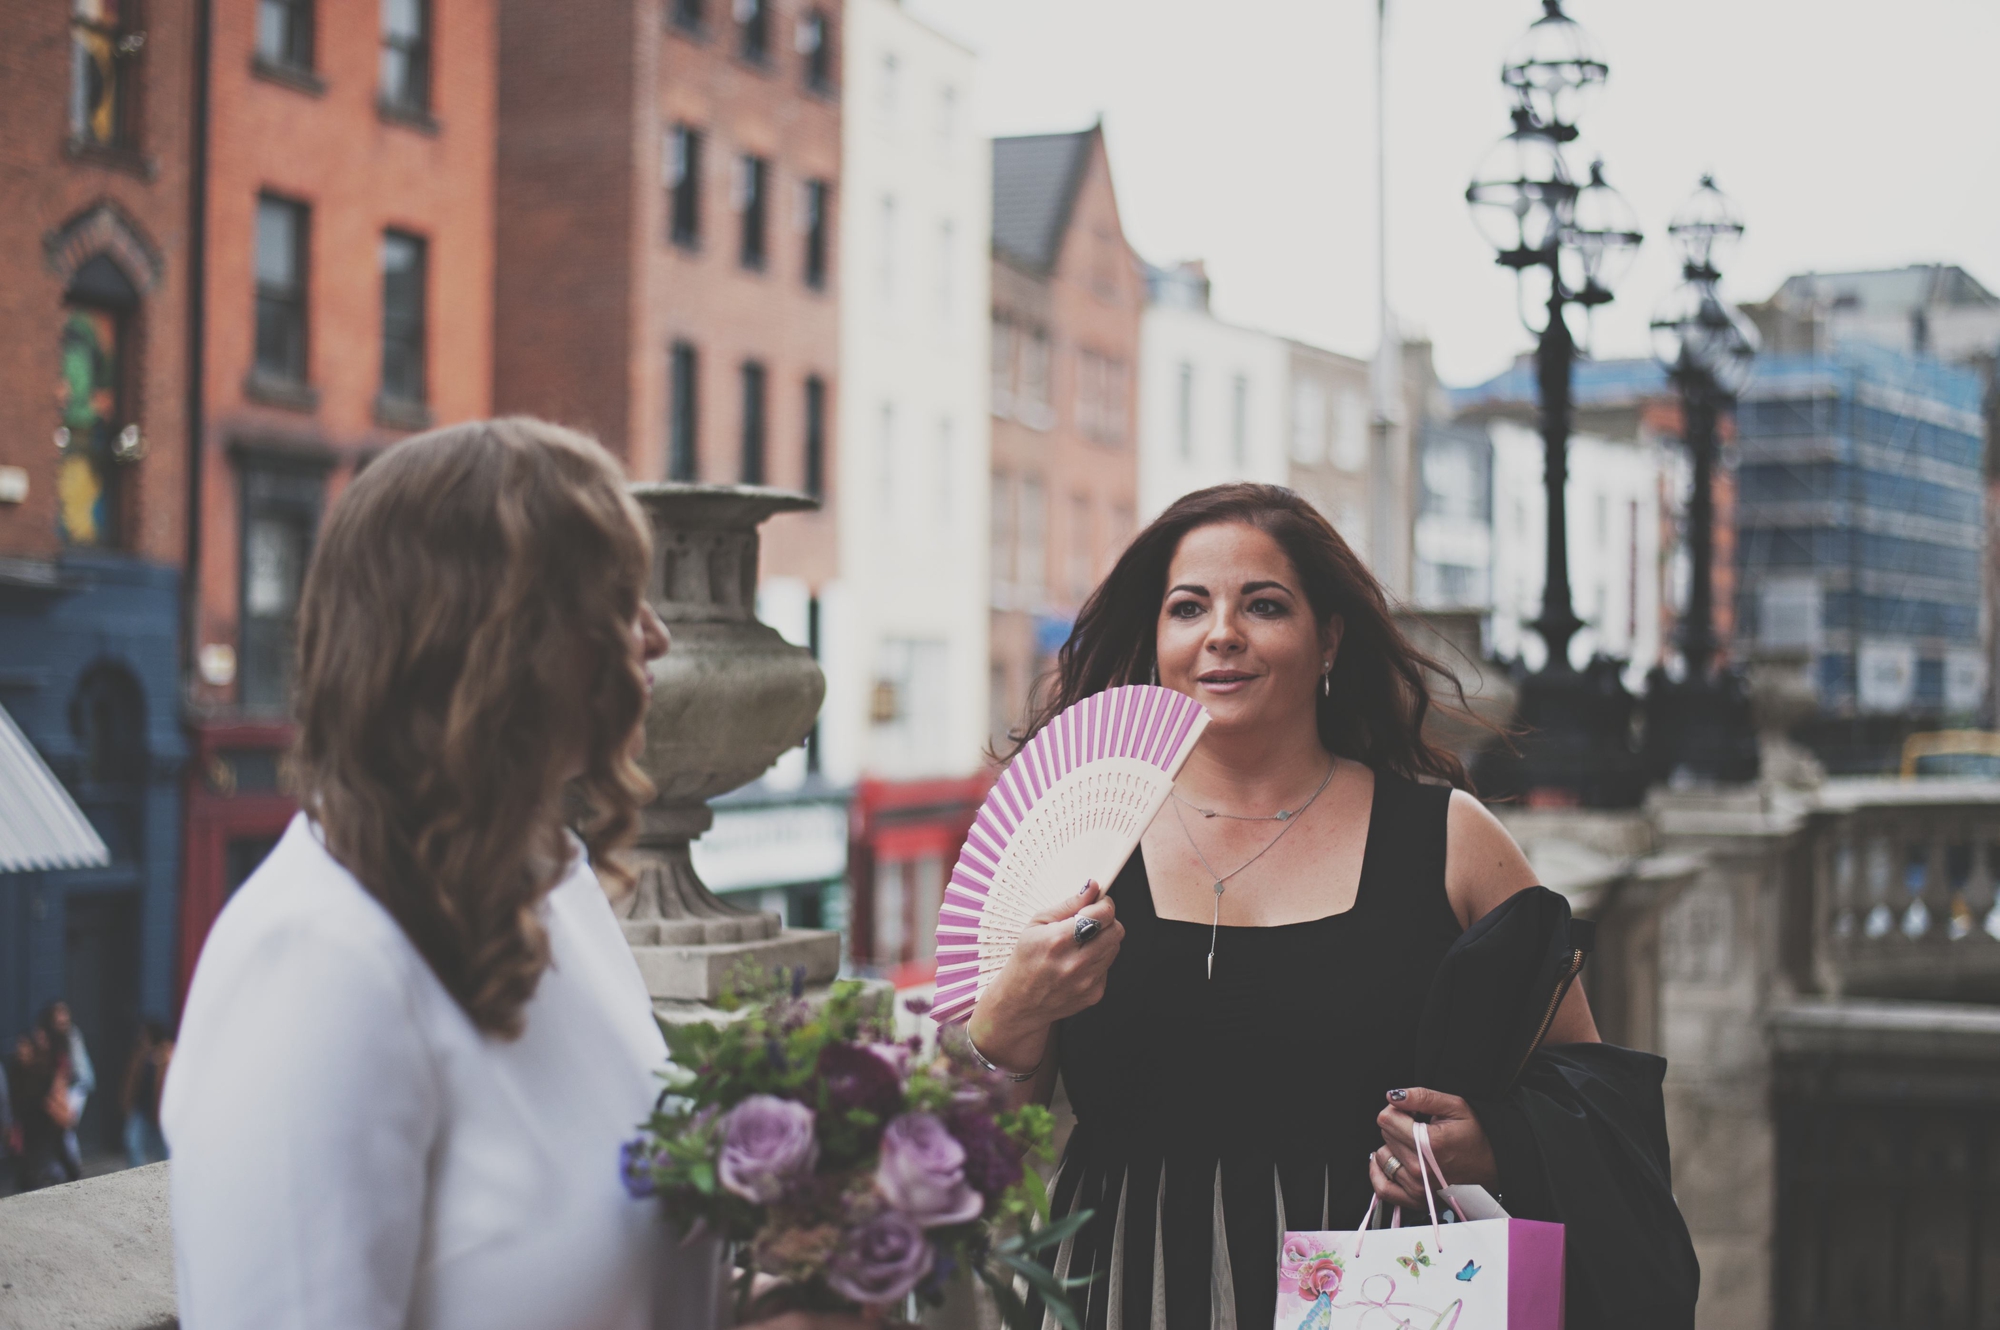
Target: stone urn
column 729, row 699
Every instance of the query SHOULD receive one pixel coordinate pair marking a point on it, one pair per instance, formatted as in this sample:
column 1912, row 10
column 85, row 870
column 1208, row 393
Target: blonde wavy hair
column 464, row 644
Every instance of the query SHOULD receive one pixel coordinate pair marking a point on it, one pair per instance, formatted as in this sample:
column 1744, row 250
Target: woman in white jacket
column 416, row 1036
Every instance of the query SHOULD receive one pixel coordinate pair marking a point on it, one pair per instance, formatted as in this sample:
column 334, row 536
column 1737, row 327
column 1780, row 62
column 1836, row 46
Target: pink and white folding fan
column 1068, row 809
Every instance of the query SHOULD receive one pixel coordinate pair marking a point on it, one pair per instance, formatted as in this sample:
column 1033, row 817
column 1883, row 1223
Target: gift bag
column 1474, row 1274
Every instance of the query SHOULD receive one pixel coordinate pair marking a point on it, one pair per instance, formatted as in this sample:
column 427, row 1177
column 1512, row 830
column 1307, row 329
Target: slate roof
column 1887, row 290
column 1035, row 178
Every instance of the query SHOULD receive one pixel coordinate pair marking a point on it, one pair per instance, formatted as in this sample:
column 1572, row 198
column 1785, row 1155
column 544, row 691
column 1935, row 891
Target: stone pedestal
column 729, row 698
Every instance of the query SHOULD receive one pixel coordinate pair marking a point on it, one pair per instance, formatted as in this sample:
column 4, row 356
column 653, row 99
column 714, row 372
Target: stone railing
column 94, row 1255
column 1894, row 891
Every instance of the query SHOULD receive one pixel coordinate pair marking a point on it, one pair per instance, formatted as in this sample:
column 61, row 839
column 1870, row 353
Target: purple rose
column 881, row 1261
column 896, row 1055
column 635, row 1168
column 992, row 1160
column 767, row 1144
column 922, row 1172
column 855, row 1077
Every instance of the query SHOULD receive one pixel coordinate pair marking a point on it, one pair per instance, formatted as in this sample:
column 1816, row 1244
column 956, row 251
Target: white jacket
column 350, row 1152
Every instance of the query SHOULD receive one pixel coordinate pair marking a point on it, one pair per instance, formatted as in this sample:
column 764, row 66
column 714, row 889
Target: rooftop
column 1035, row 178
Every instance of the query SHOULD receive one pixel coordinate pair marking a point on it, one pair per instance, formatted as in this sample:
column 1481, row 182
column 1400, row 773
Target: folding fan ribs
column 1068, row 809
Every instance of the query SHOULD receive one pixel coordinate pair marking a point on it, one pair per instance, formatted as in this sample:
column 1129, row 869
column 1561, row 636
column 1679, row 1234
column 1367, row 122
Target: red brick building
column 1067, row 300
column 667, row 275
column 95, row 278
column 346, row 300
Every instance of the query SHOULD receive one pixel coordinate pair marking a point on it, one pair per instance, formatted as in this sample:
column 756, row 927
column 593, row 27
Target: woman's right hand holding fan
column 1058, row 968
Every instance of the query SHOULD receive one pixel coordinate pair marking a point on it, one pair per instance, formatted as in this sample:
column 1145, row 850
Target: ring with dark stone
column 1086, row 929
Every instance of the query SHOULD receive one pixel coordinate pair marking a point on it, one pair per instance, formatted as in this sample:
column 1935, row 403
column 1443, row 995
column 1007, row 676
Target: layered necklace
column 1285, row 816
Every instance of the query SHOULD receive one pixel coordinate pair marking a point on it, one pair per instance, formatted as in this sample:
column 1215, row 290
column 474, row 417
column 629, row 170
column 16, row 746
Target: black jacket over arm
column 1578, row 1131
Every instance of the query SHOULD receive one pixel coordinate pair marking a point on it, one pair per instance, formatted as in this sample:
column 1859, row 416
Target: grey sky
column 1242, row 132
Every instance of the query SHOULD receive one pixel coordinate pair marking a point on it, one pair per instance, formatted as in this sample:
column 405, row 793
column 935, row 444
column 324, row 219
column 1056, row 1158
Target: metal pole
column 1698, row 642
column 1552, row 362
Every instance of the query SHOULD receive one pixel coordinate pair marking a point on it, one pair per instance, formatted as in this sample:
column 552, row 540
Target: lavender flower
column 881, row 1261
column 767, row 1144
column 855, row 1077
column 922, row 1172
column 635, row 1168
column 992, row 1160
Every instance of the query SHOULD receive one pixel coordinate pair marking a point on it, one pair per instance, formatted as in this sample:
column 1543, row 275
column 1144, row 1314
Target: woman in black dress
column 1236, row 1037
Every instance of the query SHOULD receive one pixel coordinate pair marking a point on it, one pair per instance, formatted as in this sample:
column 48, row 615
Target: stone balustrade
column 1896, row 895
column 94, row 1255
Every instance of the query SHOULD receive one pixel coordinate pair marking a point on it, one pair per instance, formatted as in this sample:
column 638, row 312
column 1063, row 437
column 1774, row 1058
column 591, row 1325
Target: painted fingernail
column 1086, row 888
column 1398, row 1096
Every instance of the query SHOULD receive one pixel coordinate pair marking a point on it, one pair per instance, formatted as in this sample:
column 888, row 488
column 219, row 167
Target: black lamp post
column 1575, row 235
column 1700, row 725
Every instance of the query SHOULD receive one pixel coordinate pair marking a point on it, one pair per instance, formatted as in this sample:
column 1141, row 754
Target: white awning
column 40, row 825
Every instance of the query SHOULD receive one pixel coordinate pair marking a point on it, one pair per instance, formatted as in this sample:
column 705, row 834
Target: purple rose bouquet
column 832, row 1159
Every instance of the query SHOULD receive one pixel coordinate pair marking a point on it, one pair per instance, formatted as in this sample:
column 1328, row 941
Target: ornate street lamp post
column 1700, row 725
column 1569, row 237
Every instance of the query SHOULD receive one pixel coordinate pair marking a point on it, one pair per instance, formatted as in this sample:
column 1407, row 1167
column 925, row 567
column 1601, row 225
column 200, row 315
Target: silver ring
column 1390, row 1169
column 1086, row 929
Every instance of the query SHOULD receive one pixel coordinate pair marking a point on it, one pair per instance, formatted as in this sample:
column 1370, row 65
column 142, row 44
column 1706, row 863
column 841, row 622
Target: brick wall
column 47, row 186
column 1091, row 302
column 360, row 171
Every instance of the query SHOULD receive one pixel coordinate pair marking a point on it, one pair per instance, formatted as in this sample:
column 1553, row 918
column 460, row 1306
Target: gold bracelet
column 986, row 1062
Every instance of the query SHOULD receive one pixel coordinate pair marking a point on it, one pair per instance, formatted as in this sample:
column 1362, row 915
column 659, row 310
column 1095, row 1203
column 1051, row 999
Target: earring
column 1326, row 680
column 1154, row 675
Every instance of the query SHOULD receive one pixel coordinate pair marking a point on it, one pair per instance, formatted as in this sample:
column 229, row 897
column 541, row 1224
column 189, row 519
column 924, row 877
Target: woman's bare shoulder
column 1482, row 865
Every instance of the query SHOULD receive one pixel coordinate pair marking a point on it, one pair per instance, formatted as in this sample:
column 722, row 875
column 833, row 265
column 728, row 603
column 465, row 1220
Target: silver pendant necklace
column 1288, row 818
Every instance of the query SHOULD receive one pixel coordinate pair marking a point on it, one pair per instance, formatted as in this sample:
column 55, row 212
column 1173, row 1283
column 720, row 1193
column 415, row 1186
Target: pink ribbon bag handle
column 1427, row 1164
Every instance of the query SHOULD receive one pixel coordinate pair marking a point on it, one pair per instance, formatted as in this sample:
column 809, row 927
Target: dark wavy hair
column 1381, row 689
column 464, row 638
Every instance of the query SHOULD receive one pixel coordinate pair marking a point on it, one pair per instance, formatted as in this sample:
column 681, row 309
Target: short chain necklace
column 1288, row 818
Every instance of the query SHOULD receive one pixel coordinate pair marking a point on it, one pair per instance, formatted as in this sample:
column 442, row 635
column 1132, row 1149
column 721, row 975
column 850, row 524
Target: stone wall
column 94, row 1255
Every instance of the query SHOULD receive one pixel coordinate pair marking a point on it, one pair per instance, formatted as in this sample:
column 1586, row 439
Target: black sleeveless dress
column 1212, row 1115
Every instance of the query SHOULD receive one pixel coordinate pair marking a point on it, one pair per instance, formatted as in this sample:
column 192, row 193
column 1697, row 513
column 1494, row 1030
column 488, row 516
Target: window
column 753, row 423
column 751, row 180
column 281, row 289
column 885, row 259
column 1002, row 538
column 285, row 33
column 816, row 436
column 1031, row 556
column 947, row 464
column 891, row 90
column 683, row 176
column 91, row 401
column 1239, row 420
column 1100, row 397
column 1002, row 368
column 683, row 411
column 753, row 30
column 1308, row 422
column 947, row 248
column 814, row 198
column 1032, row 404
column 280, row 516
column 1184, row 411
column 403, row 273
column 1079, row 547
column 886, row 461
column 103, row 49
column 688, row 15
column 406, row 55
column 947, row 121
column 815, row 43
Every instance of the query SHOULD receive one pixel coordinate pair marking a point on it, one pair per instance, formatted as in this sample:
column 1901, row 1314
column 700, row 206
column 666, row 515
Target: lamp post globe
column 1552, row 69
column 1706, row 228
column 1600, row 241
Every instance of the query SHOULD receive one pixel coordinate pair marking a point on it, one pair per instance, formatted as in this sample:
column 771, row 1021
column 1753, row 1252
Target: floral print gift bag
column 1472, row 1274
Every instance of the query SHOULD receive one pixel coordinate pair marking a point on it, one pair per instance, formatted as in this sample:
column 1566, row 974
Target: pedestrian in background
column 67, row 1042
column 38, row 1085
column 140, row 1095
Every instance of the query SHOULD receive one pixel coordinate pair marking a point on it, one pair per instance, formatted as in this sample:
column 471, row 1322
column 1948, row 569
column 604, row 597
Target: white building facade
column 1614, row 518
column 902, row 635
column 1213, row 398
